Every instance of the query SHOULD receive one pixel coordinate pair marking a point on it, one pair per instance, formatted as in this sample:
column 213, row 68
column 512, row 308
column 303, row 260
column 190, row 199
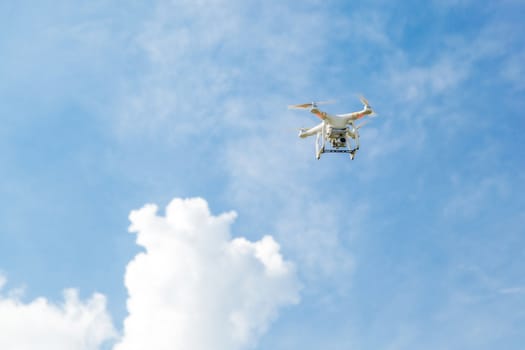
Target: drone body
column 336, row 130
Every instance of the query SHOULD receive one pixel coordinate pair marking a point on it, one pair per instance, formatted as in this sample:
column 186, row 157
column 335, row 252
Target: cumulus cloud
column 194, row 287
column 40, row 324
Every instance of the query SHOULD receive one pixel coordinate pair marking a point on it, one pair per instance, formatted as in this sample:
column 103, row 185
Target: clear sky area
column 154, row 193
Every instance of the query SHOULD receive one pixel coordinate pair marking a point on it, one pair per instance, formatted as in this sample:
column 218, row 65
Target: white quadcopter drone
column 337, row 129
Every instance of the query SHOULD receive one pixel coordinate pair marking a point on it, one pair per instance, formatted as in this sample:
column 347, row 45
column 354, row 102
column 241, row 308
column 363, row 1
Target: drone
column 336, row 130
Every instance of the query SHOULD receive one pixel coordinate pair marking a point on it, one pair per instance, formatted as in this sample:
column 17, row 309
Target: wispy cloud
column 512, row 290
column 470, row 198
column 513, row 69
column 202, row 56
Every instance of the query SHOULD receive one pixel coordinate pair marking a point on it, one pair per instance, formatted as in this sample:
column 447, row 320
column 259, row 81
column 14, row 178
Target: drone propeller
column 310, row 105
column 365, row 102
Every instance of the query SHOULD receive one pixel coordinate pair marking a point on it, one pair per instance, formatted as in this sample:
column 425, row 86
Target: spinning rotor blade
column 310, row 105
column 364, row 100
column 367, row 104
column 301, row 106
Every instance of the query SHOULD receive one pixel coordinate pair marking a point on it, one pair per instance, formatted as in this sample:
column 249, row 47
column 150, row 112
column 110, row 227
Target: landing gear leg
column 319, row 152
column 354, row 151
column 319, row 146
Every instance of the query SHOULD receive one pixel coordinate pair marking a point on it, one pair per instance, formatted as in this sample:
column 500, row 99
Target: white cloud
column 40, row 324
column 194, row 287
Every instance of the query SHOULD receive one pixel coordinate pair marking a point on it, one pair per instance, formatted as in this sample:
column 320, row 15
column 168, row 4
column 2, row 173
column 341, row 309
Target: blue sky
column 417, row 243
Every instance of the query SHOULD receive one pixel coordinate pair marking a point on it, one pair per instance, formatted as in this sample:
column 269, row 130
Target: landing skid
column 338, row 151
column 350, row 151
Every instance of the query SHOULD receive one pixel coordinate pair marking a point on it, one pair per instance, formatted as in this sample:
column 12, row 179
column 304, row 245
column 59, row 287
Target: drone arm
column 319, row 114
column 350, row 117
column 312, row 131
